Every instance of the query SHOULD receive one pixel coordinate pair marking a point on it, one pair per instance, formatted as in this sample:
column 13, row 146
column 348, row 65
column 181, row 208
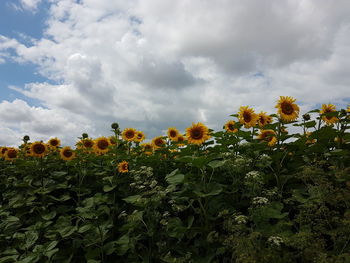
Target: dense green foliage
column 232, row 199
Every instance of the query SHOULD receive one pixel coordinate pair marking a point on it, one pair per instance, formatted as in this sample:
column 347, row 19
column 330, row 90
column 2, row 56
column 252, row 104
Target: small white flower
column 241, row 219
column 253, row 175
column 260, row 200
column 275, row 240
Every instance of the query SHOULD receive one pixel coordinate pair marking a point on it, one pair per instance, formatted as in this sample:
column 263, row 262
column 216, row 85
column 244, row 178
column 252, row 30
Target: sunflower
column 158, row 142
column 112, row 140
column 309, row 141
column 197, row 133
column 11, row 154
column 287, row 109
column 147, row 148
column 3, row 151
column 123, row 167
column 38, row 149
column 54, row 143
column 67, row 153
column 129, row 134
column 327, row 108
column 101, row 145
column 264, row 119
column 247, row 116
column 181, row 140
column 230, row 126
column 140, row 136
column 268, row 136
column 173, row 134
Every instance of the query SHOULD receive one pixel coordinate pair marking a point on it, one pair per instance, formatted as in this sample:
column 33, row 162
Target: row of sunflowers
column 287, row 109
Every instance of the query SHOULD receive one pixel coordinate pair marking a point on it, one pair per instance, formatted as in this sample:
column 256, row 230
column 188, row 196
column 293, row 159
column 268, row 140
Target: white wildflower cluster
column 241, row 219
column 260, row 200
column 241, row 162
column 142, row 178
column 264, row 161
column 275, row 240
column 271, row 192
column 253, row 175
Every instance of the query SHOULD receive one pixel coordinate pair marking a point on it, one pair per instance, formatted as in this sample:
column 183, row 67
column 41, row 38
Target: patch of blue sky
column 14, row 22
column 22, row 25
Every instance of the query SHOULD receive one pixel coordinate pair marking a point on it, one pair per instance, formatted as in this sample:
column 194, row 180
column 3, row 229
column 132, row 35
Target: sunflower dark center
column 12, row 154
column 159, row 142
column 197, row 134
column 125, row 167
column 54, row 142
column 287, row 108
column 3, row 150
column 67, row 153
column 231, row 127
column 247, row 116
column 262, row 120
column 102, row 144
column 39, row 148
column 173, row 133
column 88, row 144
column 129, row 134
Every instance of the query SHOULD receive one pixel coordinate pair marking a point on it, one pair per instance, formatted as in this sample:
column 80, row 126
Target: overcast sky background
column 70, row 66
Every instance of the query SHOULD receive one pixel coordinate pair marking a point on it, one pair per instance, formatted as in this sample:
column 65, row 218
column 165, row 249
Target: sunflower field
column 266, row 188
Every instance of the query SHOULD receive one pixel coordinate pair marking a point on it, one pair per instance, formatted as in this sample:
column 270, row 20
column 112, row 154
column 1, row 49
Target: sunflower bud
column 85, row 135
column 343, row 112
column 115, row 125
column 26, row 138
column 306, row 117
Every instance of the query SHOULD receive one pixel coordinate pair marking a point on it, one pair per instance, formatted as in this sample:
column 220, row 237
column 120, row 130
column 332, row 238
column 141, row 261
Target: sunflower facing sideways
column 67, row 153
column 247, row 116
column 3, row 151
column 140, row 136
column 123, row 167
column 11, row 154
column 54, row 143
column 129, row 134
column 173, row 134
column 197, row 133
column 268, row 136
column 101, row 145
column 147, row 148
column 264, row 119
column 328, row 108
column 287, row 109
column 158, row 142
column 38, row 149
column 230, row 126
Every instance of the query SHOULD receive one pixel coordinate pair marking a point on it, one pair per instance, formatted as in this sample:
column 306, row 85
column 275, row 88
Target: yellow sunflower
column 38, row 149
column 3, row 151
column 129, row 134
column 67, row 153
column 173, row 134
column 54, row 143
column 11, row 154
column 230, row 126
column 123, row 167
column 264, row 119
column 147, row 148
column 247, row 116
column 140, row 136
column 197, row 133
column 181, row 140
column 158, row 142
column 112, row 140
column 309, row 141
column 268, row 136
column 101, row 145
column 287, row 109
column 327, row 108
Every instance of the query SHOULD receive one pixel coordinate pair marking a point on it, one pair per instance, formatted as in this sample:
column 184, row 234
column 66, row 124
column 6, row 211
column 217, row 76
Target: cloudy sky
column 74, row 66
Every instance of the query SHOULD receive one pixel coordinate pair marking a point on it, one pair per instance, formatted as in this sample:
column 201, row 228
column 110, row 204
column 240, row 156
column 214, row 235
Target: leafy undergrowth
column 230, row 198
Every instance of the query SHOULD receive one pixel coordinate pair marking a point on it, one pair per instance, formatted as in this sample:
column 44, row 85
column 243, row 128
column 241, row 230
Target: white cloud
column 159, row 63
